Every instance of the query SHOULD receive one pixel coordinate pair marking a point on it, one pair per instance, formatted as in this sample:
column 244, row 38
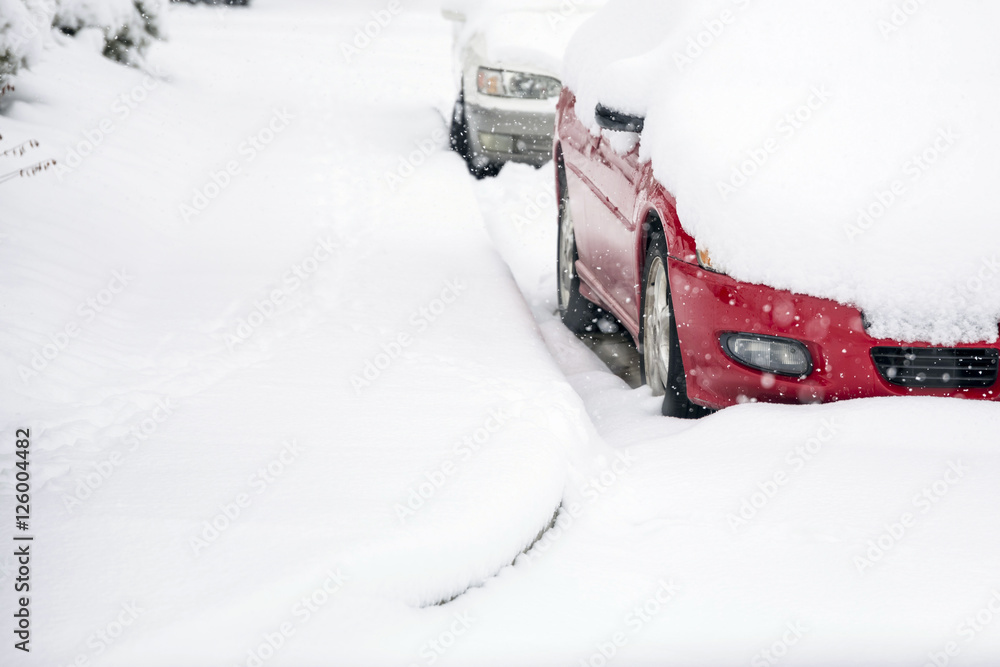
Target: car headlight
column 705, row 261
column 781, row 356
column 522, row 85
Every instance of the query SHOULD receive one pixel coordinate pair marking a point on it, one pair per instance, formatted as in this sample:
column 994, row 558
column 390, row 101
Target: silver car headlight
column 521, row 85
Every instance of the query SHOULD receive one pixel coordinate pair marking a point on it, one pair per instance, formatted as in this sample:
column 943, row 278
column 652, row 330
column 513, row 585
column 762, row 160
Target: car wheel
column 479, row 167
column 483, row 168
column 577, row 313
column 459, row 136
column 659, row 346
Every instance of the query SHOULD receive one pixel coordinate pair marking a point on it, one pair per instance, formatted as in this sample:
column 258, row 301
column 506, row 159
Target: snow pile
column 844, row 151
column 117, row 348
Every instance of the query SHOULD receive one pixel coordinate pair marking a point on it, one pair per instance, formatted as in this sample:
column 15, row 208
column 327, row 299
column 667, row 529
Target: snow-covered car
column 508, row 54
column 782, row 206
column 240, row 3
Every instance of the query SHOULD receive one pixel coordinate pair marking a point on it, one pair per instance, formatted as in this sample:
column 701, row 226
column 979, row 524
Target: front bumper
column 500, row 135
column 709, row 305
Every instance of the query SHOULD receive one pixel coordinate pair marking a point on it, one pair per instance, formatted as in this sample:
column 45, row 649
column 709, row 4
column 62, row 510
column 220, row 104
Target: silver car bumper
column 510, row 136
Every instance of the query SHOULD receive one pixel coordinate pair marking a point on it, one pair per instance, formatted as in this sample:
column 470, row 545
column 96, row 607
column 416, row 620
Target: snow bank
column 845, row 151
column 415, row 479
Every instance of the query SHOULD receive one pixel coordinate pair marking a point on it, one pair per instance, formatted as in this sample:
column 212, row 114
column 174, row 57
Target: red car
column 707, row 341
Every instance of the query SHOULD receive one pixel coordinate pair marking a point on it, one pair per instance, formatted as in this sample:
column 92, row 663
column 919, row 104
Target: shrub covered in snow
column 129, row 26
column 22, row 26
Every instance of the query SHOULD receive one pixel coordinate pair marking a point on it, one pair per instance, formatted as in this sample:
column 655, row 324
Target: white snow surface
column 841, row 150
column 216, row 374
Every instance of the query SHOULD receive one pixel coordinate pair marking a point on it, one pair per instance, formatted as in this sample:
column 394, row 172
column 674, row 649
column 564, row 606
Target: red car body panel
column 611, row 196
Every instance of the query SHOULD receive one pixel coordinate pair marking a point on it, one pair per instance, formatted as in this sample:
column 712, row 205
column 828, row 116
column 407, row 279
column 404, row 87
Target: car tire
column 659, row 345
column 459, row 131
column 459, row 140
column 482, row 168
column 577, row 313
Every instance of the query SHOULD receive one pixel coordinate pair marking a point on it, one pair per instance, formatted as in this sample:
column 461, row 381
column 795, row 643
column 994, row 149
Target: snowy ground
column 279, row 429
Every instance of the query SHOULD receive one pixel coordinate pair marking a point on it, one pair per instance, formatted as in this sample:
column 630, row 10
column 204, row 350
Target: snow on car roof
column 844, row 150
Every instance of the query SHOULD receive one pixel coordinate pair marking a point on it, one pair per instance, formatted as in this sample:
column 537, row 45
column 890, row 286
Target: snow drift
column 844, row 151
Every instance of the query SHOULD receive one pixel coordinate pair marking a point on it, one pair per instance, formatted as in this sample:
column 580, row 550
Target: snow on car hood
column 524, row 33
column 843, row 150
column 530, row 39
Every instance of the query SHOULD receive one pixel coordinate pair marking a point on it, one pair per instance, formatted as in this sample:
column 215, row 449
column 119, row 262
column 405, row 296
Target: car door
column 613, row 178
column 579, row 147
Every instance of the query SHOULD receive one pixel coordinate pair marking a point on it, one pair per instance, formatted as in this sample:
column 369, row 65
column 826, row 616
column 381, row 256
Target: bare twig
column 28, row 172
column 20, row 149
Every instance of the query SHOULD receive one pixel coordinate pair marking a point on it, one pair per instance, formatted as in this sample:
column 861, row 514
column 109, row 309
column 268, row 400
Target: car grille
column 938, row 368
column 532, row 144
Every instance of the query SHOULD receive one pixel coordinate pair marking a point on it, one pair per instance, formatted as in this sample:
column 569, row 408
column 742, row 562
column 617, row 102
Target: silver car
column 507, row 65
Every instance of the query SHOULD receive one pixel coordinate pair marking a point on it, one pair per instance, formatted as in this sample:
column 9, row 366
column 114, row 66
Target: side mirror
column 616, row 121
column 452, row 15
